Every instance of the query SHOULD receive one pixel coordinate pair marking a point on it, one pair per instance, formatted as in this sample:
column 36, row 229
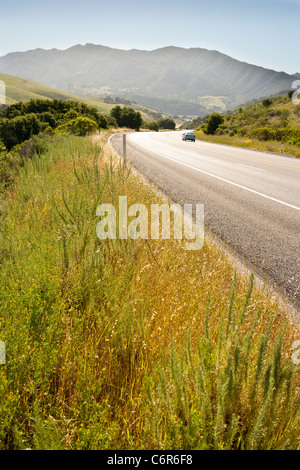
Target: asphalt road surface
column 251, row 199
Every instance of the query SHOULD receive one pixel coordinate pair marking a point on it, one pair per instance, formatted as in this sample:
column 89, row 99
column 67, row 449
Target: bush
column 152, row 126
column 17, row 130
column 11, row 162
column 127, row 117
column 213, row 122
column 82, row 126
column 267, row 102
column 43, row 114
column 167, row 124
column 35, row 145
column 263, row 133
column 290, row 135
column 48, row 118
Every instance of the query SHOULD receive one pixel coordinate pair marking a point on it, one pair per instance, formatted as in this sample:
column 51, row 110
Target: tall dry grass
column 123, row 344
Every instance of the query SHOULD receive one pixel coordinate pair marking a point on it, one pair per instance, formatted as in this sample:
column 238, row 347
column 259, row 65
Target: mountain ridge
column 194, row 77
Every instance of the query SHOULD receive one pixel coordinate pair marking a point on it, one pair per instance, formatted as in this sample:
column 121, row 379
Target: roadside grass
column 251, row 143
column 123, row 344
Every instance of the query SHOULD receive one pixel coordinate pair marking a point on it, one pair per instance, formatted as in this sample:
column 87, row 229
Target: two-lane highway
column 251, row 198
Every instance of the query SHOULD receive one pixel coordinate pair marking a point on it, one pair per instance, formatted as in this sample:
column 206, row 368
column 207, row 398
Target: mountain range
column 174, row 80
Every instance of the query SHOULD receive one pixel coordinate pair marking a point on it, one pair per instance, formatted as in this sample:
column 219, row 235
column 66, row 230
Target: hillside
column 130, row 343
column 170, row 79
column 20, row 89
column 263, row 124
column 275, row 113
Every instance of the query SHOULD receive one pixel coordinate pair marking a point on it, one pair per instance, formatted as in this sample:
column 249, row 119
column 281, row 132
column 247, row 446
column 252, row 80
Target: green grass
column 19, row 89
column 246, row 142
column 123, row 344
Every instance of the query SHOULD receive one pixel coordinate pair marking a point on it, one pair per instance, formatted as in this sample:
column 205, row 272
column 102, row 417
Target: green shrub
column 290, row 135
column 167, row 123
column 263, row 133
column 20, row 121
column 267, row 102
column 18, row 129
column 152, row 126
column 9, row 164
column 213, row 122
column 82, row 126
column 126, row 117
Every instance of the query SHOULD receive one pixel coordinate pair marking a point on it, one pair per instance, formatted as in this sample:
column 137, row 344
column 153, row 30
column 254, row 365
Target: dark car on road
column 189, row 136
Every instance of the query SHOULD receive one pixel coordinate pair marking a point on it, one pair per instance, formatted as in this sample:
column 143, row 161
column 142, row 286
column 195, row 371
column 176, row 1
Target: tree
column 55, row 112
column 82, row 126
column 213, row 122
column 167, row 123
column 131, row 118
column 152, row 126
column 102, row 121
column 116, row 113
column 15, row 131
column 48, row 118
column 267, row 102
column 127, row 117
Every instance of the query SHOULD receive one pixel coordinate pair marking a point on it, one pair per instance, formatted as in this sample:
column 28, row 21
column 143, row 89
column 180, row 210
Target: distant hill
column 170, row 79
column 275, row 112
column 20, row 89
column 262, row 124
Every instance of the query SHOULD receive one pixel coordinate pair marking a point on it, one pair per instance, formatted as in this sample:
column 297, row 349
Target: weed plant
column 123, row 344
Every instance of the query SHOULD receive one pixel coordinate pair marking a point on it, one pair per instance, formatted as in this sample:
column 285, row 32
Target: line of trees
column 166, row 123
column 128, row 117
column 23, row 125
column 21, row 121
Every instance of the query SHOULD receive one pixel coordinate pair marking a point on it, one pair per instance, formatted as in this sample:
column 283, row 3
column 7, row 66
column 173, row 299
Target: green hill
column 263, row 124
column 274, row 113
column 19, row 89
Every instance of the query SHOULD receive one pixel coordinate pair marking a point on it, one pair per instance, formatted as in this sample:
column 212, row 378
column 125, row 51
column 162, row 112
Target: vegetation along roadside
column 270, row 124
column 127, row 344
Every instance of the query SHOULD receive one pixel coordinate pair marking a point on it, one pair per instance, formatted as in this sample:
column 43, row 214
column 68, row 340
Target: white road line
column 250, row 166
column 219, row 178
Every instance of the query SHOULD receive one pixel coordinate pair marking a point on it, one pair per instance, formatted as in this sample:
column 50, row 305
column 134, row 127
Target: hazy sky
column 260, row 32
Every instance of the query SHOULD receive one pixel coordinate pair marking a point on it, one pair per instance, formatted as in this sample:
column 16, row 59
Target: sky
column 260, row 32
